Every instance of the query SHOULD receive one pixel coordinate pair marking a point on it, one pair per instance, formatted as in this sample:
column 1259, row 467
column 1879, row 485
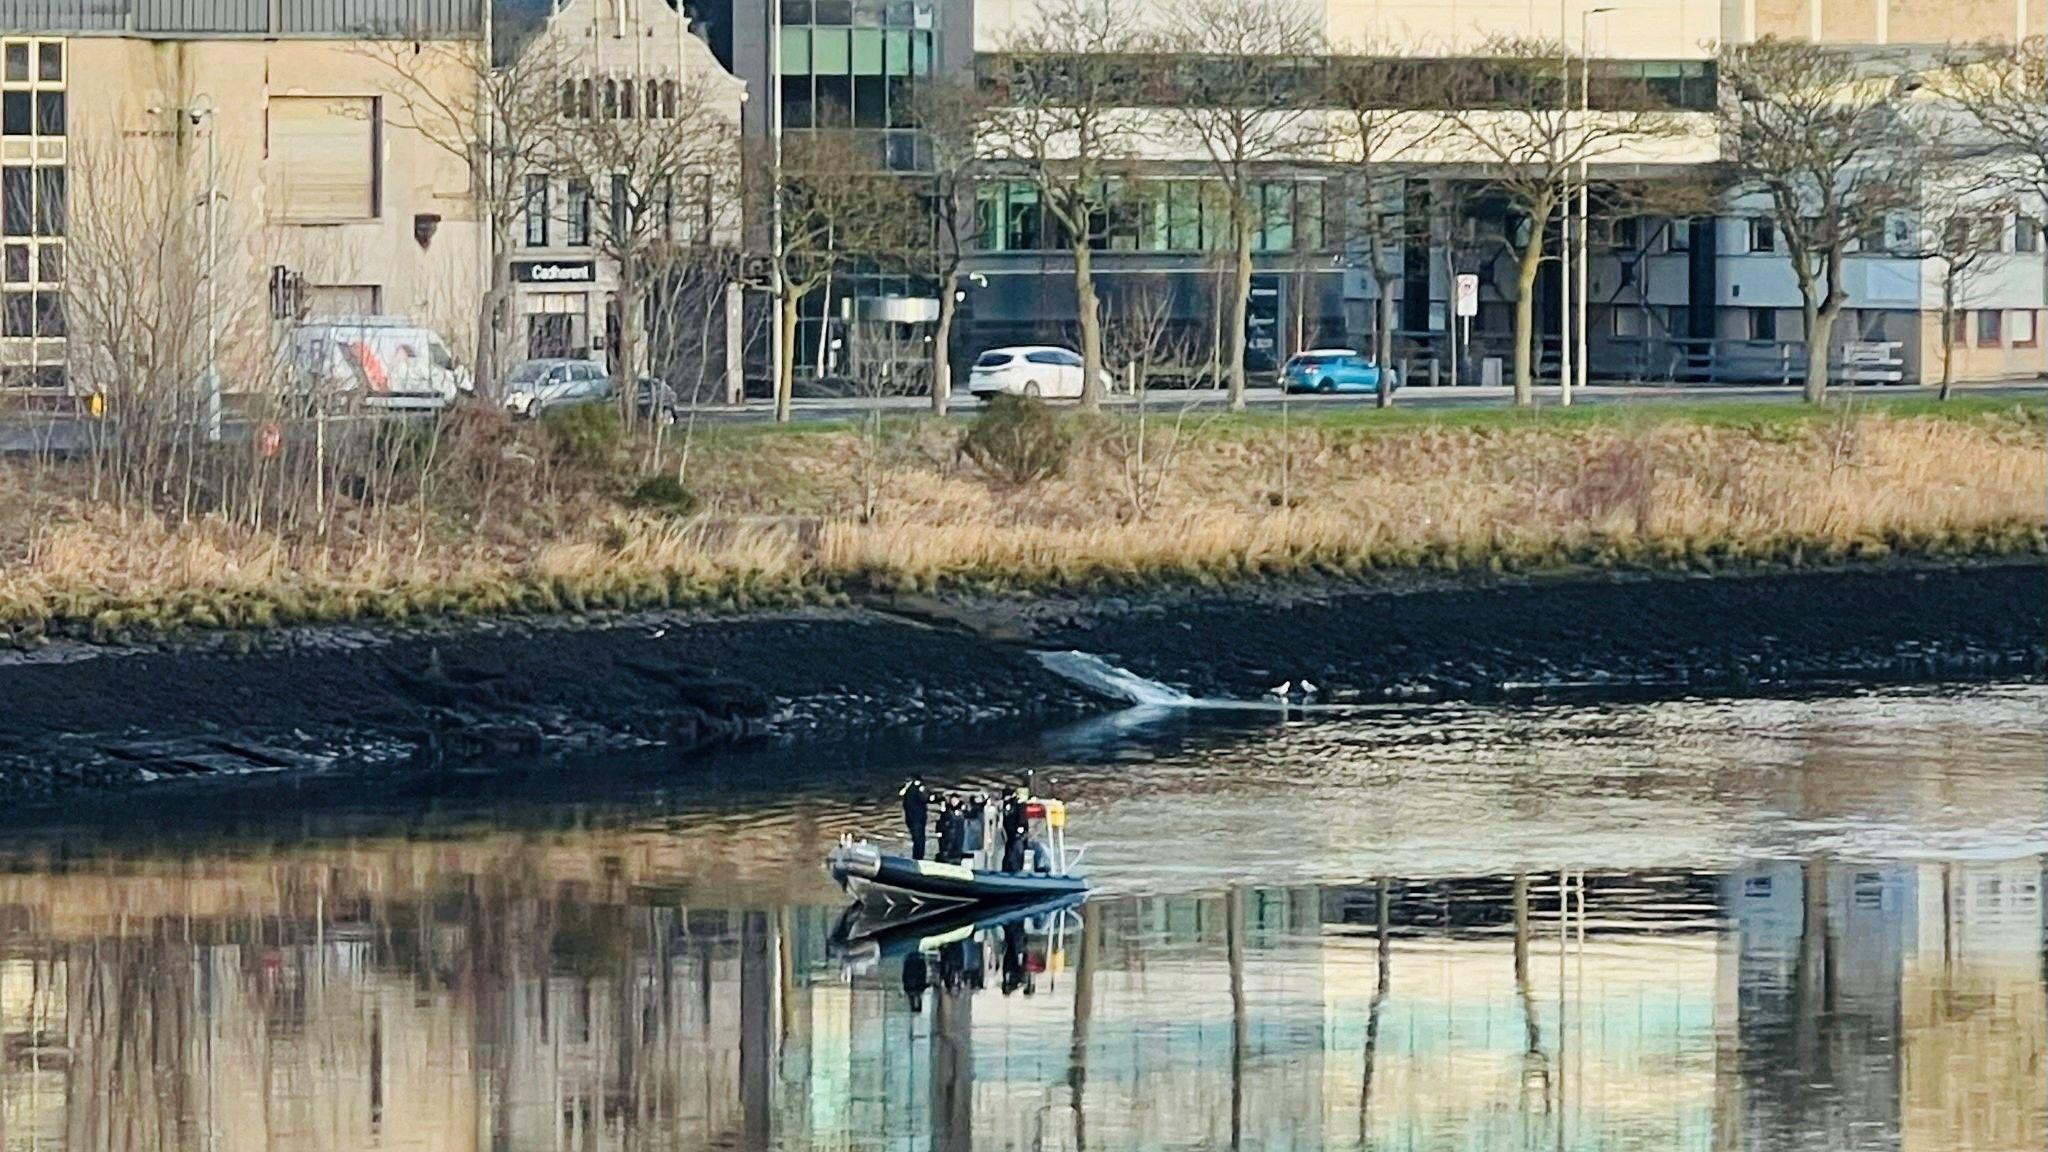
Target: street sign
column 1468, row 294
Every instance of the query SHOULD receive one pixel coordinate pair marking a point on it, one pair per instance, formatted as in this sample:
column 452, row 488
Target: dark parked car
column 539, row 386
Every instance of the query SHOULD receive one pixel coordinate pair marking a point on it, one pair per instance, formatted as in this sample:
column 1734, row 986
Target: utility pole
column 1564, row 214
column 1585, row 192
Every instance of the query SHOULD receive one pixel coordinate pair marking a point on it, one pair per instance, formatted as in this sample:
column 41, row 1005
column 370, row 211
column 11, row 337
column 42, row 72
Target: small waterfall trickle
column 1099, row 675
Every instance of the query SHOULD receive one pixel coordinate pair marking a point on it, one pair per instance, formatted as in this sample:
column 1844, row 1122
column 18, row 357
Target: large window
column 1182, row 214
column 323, row 158
column 855, row 64
column 33, row 124
column 537, row 211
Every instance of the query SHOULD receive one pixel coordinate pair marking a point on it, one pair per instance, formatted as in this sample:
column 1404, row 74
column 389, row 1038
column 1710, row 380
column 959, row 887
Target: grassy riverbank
column 481, row 518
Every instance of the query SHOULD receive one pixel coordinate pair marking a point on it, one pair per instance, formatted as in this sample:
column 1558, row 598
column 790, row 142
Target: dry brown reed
column 795, row 516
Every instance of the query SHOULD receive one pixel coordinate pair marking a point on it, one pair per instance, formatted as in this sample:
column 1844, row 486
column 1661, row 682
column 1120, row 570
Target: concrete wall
column 116, row 83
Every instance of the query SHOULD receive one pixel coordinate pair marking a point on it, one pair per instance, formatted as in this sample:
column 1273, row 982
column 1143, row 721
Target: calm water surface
column 1811, row 924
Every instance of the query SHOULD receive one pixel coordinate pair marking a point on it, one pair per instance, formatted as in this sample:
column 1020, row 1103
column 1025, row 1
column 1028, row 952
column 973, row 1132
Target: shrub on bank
column 1018, row 440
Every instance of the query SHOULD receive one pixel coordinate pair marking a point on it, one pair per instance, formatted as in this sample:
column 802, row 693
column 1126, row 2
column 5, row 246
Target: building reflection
column 1801, row 1003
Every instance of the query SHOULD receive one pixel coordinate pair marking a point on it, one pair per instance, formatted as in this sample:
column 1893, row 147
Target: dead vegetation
column 481, row 516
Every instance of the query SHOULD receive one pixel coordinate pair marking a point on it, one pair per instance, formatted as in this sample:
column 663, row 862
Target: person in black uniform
column 916, row 979
column 1016, row 826
column 916, row 808
column 951, row 826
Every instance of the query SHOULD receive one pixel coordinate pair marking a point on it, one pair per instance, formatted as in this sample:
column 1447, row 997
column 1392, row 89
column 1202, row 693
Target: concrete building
column 1711, row 299
column 324, row 201
column 628, row 60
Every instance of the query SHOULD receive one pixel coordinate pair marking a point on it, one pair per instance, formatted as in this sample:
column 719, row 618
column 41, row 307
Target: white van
column 378, row 362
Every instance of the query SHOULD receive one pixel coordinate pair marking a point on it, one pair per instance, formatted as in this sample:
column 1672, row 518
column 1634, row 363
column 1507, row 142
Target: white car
column 1038, row 370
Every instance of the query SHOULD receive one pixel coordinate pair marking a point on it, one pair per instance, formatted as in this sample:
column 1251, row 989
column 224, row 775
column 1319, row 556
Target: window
column 49, row 215
column 668, row 99
column 1990, row 328
column 17, row 201
column 1763, row 324
column 50, row 62
column 2025, row 331
column 611, row 100
column 50, row 113
column 1628, row 233
column 620, row 222
column 626, row 101
column 16, row 265
column 578, row 225
column 536, row 211
column 17, row 113
column 570, row 104
column 1629, row 322
column 2026, row 236
column 1763, row 234
column 20, row 318
column 17, row 62
column 323, row 155
column 1678, row 235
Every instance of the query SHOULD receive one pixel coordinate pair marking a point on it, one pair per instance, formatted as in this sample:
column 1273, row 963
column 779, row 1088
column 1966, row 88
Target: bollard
column 1435, row 366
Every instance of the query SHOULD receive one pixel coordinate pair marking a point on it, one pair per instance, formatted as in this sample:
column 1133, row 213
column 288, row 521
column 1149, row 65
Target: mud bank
column 310, row 700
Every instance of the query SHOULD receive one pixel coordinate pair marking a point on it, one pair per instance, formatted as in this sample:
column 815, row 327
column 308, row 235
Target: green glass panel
column 796, row 51
column 899, row 52
column 829, row 52
column 867, row 52
column 921, row 53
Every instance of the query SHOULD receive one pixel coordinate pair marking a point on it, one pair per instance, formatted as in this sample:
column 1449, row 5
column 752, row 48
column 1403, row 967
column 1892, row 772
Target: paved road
column 1420, row 397
column 27, row 434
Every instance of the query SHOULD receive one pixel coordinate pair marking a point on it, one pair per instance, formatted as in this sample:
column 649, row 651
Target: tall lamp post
column 1584, row 358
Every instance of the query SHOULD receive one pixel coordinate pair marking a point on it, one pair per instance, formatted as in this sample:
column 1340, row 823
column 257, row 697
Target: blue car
column 1334, row 370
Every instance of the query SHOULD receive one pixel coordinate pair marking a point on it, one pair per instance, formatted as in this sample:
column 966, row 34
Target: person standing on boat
column 952, row 823
column 916, row 979
column 916, row 808
column 1016, row 826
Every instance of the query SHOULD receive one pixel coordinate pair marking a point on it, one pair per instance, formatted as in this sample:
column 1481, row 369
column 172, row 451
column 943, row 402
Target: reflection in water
column 602, row 987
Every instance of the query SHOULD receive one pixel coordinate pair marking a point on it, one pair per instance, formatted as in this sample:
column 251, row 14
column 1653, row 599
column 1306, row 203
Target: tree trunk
column 1091, row 325
column 628, row 338
column 1383, row 332
column 1948, row 338
column 785, row 367
column 1820, row 330
column 1525, row 317
column 1240, row 305
column 942, row 348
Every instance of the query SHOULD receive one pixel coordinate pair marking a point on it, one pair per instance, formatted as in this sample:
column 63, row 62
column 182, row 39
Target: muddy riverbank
column 86, row 718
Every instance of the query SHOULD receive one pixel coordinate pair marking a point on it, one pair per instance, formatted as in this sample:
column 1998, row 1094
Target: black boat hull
column 871, row 877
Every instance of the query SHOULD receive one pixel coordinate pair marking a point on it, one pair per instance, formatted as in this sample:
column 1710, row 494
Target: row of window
column 693, row 214
column 619, row 99
column 31, row 314
column 1177, row 215
column 1992, row 328
column 32, row 63
column 1895, row 234
column 857, row 13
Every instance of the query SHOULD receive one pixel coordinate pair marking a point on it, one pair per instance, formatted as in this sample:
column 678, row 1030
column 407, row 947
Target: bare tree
column 2003, row 88
column 950, row 118
column 1377, row 134
column 654, row 158
column 835, row 209
column 1140, row 337
column 1065, row 82
column 1517, row 117
column 1238, row 81
column 1826, row 144
column 1960, row 234
column 501, row 121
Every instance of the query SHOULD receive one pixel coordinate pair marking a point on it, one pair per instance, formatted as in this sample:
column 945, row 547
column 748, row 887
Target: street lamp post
column 1584, row 359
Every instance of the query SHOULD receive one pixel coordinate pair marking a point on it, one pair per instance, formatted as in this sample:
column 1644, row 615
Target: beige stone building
column 276, row 144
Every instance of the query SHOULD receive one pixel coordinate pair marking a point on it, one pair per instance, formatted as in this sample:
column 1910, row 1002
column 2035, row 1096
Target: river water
column 1772, row 924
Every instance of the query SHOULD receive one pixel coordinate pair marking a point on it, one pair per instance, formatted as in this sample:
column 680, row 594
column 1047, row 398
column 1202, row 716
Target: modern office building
column 1698, row 298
